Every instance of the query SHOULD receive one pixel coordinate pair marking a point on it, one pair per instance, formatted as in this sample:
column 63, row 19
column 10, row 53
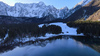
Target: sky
column 56, row 3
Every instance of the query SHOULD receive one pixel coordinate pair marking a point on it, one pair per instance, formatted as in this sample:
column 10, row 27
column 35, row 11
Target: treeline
column 23, row 30
column 90, row 28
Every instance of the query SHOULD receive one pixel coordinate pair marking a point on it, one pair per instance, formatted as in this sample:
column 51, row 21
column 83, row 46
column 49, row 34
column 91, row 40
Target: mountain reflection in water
column 55, row 46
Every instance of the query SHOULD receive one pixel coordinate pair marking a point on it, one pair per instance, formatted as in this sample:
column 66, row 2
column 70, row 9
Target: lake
column 55, row 46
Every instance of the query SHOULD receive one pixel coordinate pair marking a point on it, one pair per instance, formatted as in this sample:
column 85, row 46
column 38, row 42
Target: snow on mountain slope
column 3, row 8
column 83, row 2
column 63, row 12
column 76, row 7
column 38, row 10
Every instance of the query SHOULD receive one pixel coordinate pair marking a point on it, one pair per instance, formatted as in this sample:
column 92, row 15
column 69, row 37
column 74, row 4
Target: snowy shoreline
column 65, row 31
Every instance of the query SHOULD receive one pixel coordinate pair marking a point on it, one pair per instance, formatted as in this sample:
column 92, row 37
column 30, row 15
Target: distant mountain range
column 39, row 12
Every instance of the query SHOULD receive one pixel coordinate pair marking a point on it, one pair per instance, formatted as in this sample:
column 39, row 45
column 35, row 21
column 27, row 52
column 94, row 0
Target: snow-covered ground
column 65, row 29
column 35, row 38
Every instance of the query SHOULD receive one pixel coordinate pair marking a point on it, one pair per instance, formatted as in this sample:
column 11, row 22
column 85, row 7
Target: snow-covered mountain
column 76, row 7
column 83, row 3
column 3, row 8
column 87, row 11
column 38, row 10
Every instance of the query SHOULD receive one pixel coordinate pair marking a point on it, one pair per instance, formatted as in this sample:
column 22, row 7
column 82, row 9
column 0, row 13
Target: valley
column 38, row 29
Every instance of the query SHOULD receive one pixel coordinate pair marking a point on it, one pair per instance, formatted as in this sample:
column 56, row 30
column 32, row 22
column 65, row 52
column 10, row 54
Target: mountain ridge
column 39, row 10
column 85, row 12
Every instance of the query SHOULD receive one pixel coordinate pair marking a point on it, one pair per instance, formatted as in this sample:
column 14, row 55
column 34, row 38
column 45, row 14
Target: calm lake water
column 56, row 46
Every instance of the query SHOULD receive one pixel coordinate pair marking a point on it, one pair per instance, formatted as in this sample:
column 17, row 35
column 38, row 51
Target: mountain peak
column 2, row 2
column 41, row 3
column 64, row 8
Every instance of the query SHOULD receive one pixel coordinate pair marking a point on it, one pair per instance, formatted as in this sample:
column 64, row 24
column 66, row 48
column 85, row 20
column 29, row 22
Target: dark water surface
column 56, row 46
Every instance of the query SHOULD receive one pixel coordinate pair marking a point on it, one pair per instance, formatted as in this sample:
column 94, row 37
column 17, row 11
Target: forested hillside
column 86, row 11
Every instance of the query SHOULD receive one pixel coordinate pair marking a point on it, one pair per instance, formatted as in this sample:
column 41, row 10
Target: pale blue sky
column 56, row 3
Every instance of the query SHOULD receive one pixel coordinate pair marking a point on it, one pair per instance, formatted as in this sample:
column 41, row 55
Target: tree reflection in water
column 91, row 42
